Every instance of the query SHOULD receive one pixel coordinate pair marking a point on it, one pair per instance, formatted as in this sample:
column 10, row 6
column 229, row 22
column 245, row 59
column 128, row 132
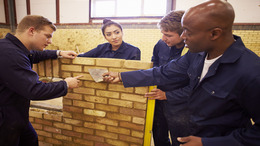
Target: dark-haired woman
column 116, row 47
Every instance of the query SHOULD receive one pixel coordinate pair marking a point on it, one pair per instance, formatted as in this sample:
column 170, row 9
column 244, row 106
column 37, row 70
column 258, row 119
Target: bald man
column 223, row 74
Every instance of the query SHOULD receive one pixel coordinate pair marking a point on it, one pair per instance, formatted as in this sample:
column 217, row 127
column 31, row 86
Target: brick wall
column 95, row 113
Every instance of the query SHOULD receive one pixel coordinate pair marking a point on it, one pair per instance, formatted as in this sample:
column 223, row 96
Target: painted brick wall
column 251, row 39
column 141, row 36
column 95, row 113
column 3, row 32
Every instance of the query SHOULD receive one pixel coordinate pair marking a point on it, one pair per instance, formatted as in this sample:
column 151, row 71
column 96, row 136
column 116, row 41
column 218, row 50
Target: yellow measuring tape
column 149, row 120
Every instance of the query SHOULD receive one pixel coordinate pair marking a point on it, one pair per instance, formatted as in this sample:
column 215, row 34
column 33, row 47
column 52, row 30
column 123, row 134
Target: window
column 129, row 8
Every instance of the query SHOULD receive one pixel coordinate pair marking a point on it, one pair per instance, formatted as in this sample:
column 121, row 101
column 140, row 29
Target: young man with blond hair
column 169, row 105
column 19, row 83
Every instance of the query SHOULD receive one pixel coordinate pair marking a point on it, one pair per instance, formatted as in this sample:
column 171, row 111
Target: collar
column 121, row 49
column 18, row 43
column 233, row 52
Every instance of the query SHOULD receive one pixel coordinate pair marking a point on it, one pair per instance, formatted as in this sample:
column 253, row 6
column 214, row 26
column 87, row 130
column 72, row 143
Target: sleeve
column 43, row 55
column 174, row 72
column 249, row 136
column 92, row 53
column 18, row 77
column 155, row 57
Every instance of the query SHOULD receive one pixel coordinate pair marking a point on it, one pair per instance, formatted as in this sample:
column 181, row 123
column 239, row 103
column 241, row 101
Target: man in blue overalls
column 170, row 47
column 19, row 83
column 223, row 75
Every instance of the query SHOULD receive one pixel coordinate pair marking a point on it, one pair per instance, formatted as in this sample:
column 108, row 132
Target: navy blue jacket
column 162, row 54
column 223, row 102
column 19, row 83
column 125, row 51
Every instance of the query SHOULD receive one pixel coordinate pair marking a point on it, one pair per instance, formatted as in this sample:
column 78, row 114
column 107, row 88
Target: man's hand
column 73, row 82
column 156, row 94
column 68, row 54
column 190, row 141
column 112, row 77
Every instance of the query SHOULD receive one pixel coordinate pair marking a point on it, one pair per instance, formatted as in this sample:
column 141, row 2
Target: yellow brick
column 83, row 117
column 65, row 61
column 73, row 122
column 83, row 104
column 62, row 137
column 48, row 68
column 94, row 113
column 52, row 129
column 82, row 90
column 37, row 126
column 141, row 90
column 121, row 103
column 67, row 101
column 55, row 68
column 83, row 130
column 138, row 120
column 107, row 108
column 137, row 134
column 107, row 134
column 109, row 62
column 120, row 117
column 116, row 142
column 118, row 130
column 107, row 121
column 76, row 68
column 35, row 114
column 84, row 61
column 53, row 141
column 67, row 114
column 95, row 85
column 94, row 126
column 133, row 97
column 140, row 106
column 109, row 94
column 35, row 67
column 131, row 139
column 133, row 64
column 41, row 68
column 54, row 117
column 95, row 99
column 119, row 70
column 44, row 133
column 133, row 112
column 83, row 141
column 85, row 76
column 62, row 126
column 65, row 74
column 120, row 88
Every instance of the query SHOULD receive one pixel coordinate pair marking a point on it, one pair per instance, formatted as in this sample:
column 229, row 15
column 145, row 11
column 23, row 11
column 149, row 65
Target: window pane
column 128, row 7
column 155, row 7
column 103, row 9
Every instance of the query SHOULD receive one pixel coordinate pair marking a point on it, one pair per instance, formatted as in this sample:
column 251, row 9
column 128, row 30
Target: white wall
column 246, row 11
column 46, row 8
column 76, row 12
column 21, row 9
